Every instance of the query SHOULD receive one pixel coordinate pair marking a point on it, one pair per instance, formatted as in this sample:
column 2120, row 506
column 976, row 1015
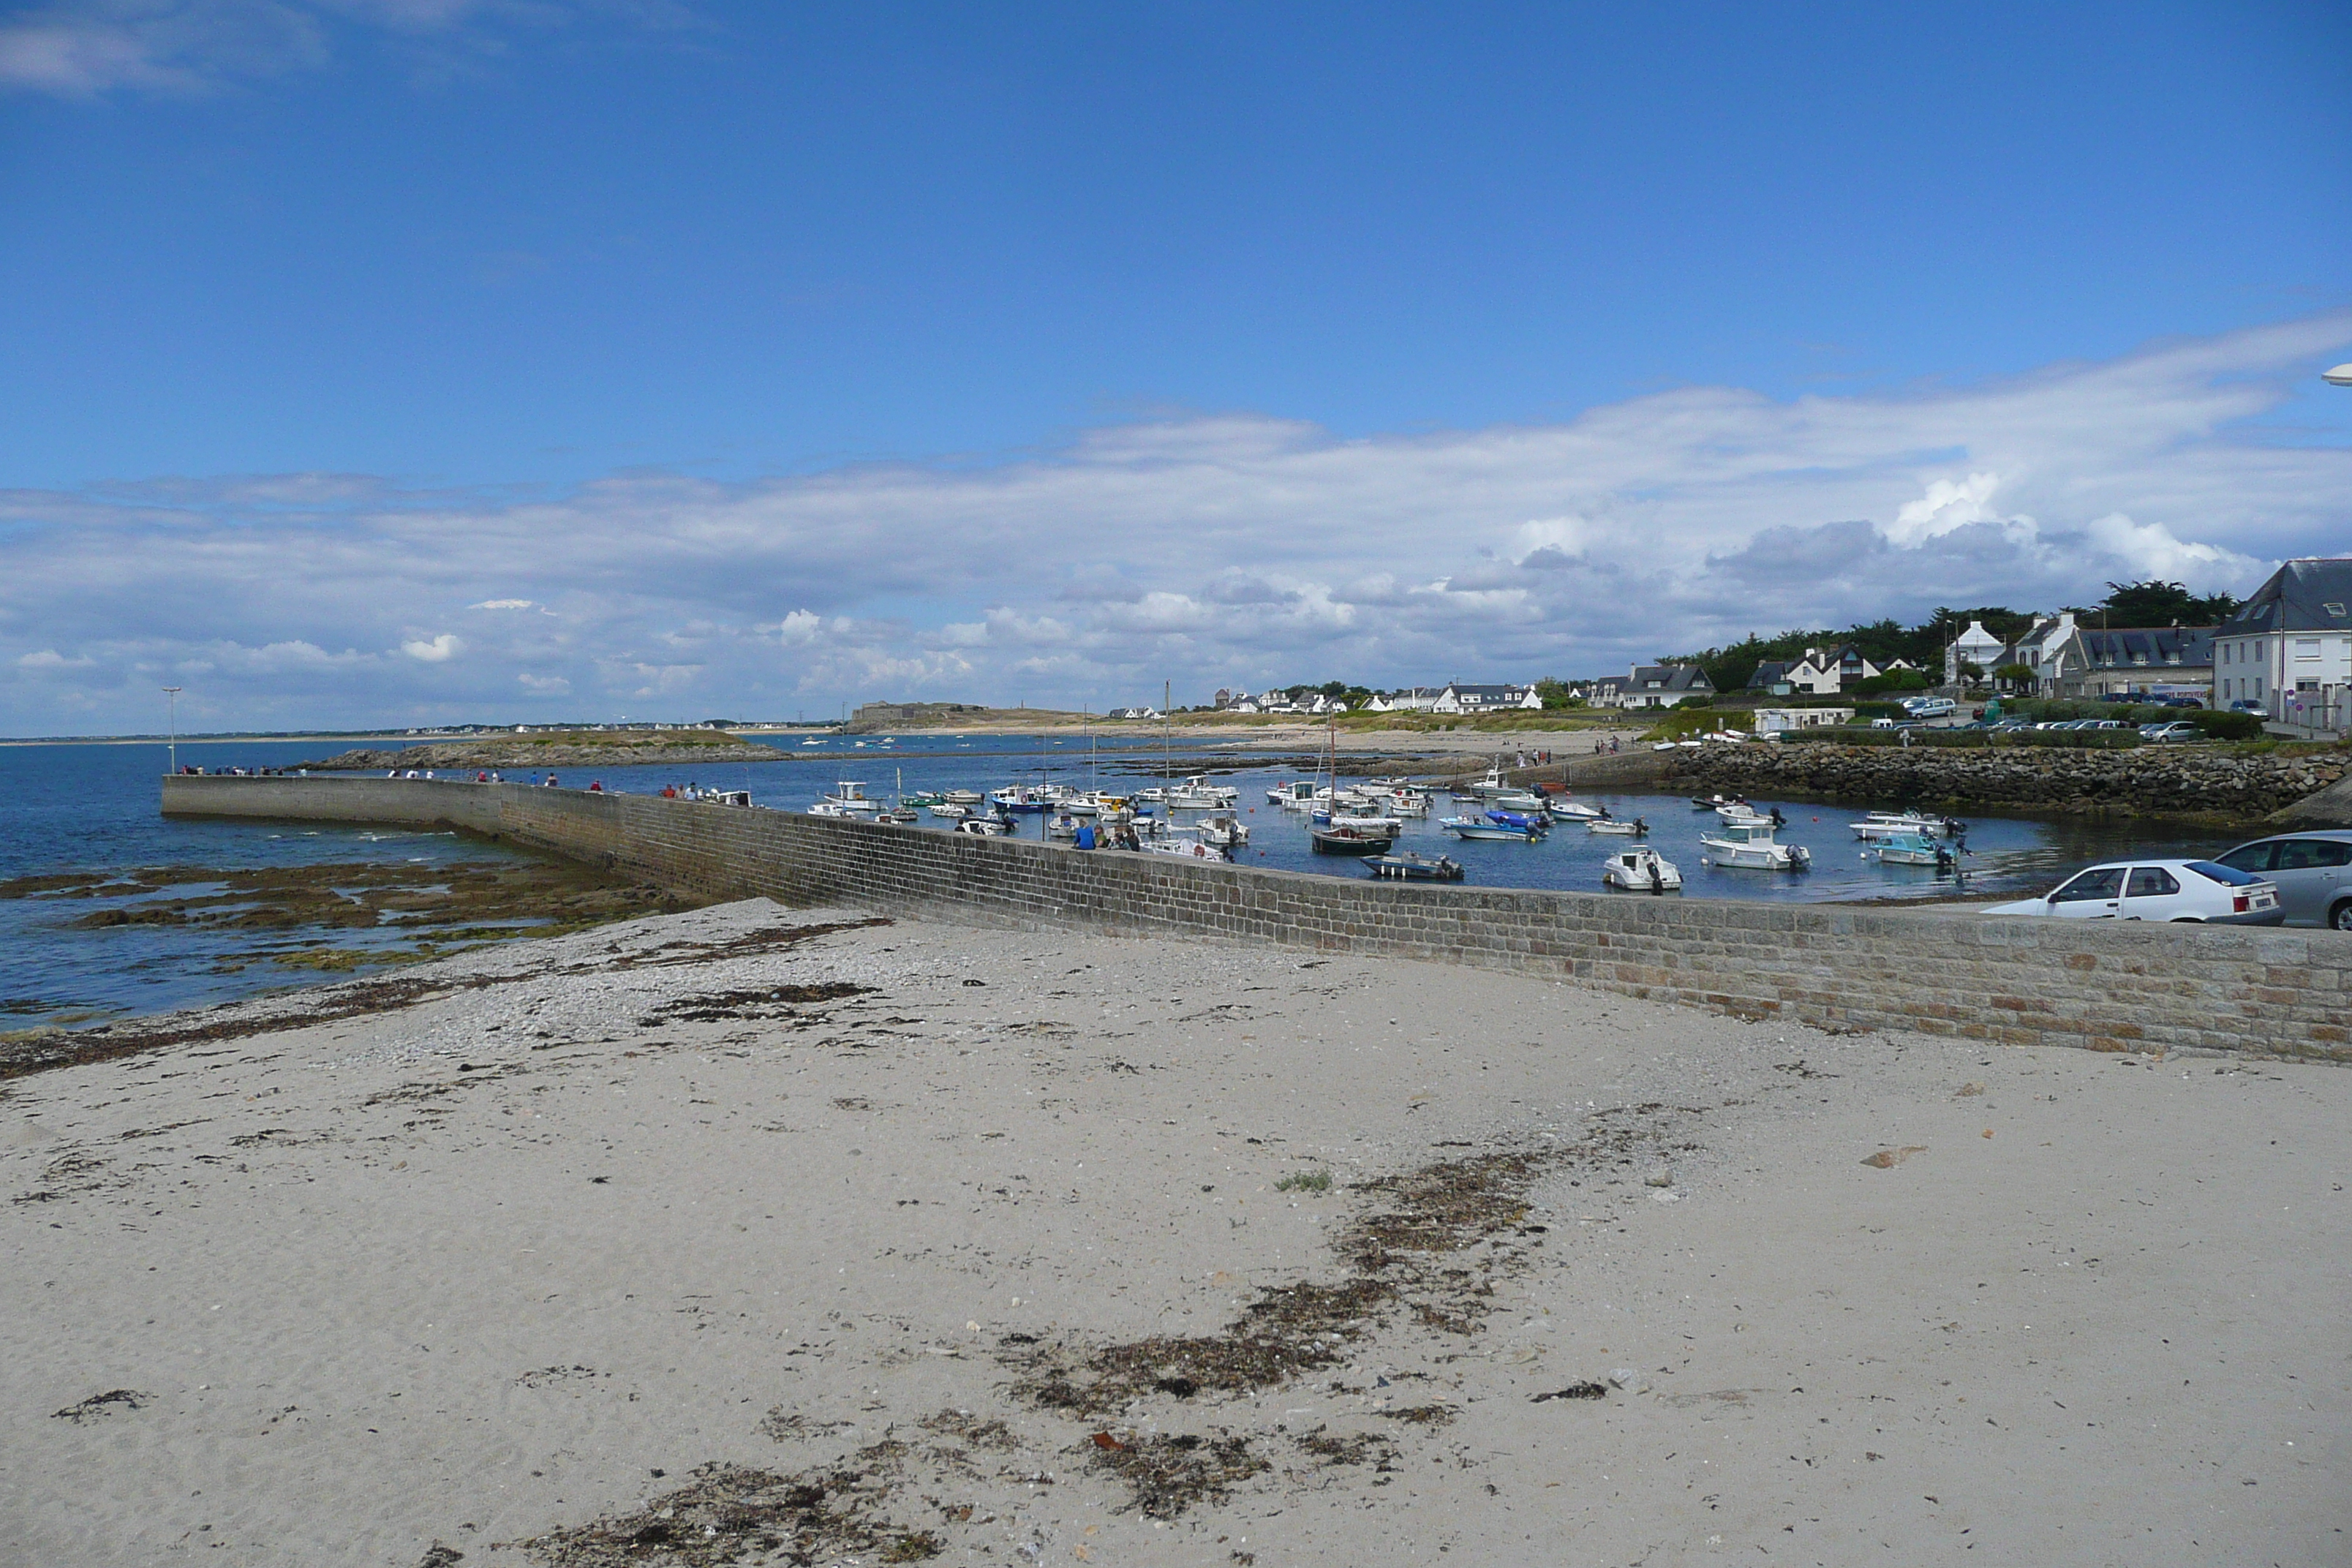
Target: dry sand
column 494, row 1267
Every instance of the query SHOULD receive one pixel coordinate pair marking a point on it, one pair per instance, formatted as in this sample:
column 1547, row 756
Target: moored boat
column 1750, row 845
column 1477, row 828
column 1412, row 867
column 1914, row 849
column 1633, row 830
column 1641, row 871
column 1345, row 840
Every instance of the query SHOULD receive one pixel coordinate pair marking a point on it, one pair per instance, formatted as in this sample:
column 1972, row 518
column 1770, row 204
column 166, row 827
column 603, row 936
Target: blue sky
column 752, row 358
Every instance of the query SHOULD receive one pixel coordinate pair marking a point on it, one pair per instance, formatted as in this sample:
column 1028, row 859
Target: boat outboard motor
column 1641, row 830
column 1779, row 820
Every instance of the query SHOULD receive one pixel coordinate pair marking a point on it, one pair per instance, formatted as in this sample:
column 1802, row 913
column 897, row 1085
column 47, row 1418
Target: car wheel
column 2340, row 917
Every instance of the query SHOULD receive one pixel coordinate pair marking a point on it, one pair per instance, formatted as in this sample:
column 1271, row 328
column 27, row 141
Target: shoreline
column 910, row 1212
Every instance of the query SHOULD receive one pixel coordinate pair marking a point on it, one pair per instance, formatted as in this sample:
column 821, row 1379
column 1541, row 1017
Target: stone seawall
column 2019, row 981
column 2145, row 780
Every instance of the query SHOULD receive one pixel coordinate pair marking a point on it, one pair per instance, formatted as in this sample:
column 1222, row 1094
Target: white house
column 1654, row 686
column 1975, row 645
column 1406, row 699
column 2289, row 647
column 1773, row 720
column 1458, row 698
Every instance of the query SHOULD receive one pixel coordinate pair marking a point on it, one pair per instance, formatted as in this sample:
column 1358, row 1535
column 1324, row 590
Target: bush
column 2218, row 725
column 1893, row 680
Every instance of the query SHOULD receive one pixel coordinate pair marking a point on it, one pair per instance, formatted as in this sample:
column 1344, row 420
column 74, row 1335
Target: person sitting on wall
column 598, row 785
column 550, row 782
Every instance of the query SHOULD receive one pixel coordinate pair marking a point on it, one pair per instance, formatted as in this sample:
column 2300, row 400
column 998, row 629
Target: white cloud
column 1211, row 551
column 504, row 605
column 51, row 658
column 84, row 48
column 545, row 685
column 433, row 651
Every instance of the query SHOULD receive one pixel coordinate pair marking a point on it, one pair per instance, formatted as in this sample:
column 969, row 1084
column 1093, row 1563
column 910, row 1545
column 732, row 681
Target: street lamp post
column 172, row 705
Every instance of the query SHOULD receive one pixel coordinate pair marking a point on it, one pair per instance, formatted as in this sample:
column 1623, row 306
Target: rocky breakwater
column 2154, row 781
column 557, row 748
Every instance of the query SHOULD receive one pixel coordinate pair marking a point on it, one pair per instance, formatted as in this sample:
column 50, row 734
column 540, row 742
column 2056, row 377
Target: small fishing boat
column 1298, row 795
column 1533, row 820
column 1913, row 850
column 1197, row 794
column 834, row 808
column 1473, row 827
column 1641, row 871
column 1741, row 812
column 949, row 810
column 961, row 797
column 1577, row 811
column 1750, row 845
column 1634, row 829
column 1226, row 830
column 1017, row 797
column 1412, row 867
column 898, row 814
column 1891, row 824
column 925, row 798
column 1343, row 840
column 1519, row 800
column 1717, row 802
column 1186, row 845
column 1061, row 825
column 986, row 827
column 849, row 796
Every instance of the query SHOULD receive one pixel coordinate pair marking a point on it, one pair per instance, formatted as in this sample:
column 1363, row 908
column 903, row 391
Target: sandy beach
column 751, row 1234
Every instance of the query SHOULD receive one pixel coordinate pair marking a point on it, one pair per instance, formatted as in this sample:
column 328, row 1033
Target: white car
column 2197, row 890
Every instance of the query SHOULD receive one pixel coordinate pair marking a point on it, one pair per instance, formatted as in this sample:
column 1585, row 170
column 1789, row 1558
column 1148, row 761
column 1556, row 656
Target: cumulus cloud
column 1660, row 524
column 433, row 651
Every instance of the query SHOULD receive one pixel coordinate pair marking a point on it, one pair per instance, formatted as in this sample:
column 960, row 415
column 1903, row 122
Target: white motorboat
column 849, row 796
column 834, row 808
column 985, row 826
column 1634, row 829
column 1186, row 844
column 1641, row 871
column 1226, row 830
column 1750, row 845
column 1575, row 811
column 1519, row 800
column 1061, row 825
column 1891, row 824
column 1741, row 812
column 1479, row 828
column 1298, row 795
column 949, row 810
column 961, row 796
column 1913, row 850
column 1197, row 794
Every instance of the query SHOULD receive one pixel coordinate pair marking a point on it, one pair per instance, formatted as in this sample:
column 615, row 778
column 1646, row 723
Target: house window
column 2305, row 648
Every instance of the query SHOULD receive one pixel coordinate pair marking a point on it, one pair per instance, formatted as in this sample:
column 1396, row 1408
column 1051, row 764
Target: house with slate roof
column 2289, row 646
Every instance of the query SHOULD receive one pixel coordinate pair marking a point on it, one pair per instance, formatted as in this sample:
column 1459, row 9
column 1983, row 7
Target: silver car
column 2311, row 871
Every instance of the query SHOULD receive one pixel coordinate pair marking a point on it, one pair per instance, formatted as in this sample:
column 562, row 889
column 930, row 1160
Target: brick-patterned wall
column 2015, row 981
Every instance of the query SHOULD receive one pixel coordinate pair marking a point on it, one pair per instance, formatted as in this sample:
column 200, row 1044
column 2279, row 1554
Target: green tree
column 2157, row 603
column 1555, row 694
column 2014, row 675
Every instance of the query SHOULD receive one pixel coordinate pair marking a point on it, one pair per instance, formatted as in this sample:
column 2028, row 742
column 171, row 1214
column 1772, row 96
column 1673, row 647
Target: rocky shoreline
column 2152, row 781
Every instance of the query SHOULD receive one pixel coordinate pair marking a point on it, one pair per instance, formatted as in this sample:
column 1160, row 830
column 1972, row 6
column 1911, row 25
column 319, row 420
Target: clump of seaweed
column 1165, row 1475
column 84, row 1411
column 733, row 1513
column 759, row 1001
column 1356, row 1448
column 967, row 1427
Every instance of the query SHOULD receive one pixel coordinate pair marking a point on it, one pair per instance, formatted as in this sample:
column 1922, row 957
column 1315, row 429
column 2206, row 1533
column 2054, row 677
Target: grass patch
column 1305, row 1182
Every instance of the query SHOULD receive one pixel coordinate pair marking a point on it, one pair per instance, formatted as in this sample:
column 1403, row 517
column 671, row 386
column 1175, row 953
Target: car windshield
column 2228, row 877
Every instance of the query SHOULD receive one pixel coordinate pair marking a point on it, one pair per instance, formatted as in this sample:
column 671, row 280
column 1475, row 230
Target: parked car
column 2313, row 873
column 2248, row 705
column 1930, row 707
column 2118, row 697
column 2174, row 891
column 2178, row 729
column 2180, row 703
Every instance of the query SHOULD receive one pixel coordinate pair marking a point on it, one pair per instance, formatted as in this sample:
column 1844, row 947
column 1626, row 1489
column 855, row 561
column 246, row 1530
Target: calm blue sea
column 74, row 807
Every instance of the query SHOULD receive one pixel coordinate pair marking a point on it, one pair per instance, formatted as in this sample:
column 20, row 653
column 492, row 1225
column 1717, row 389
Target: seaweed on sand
column 736, row 1514
column 1166, row 1474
